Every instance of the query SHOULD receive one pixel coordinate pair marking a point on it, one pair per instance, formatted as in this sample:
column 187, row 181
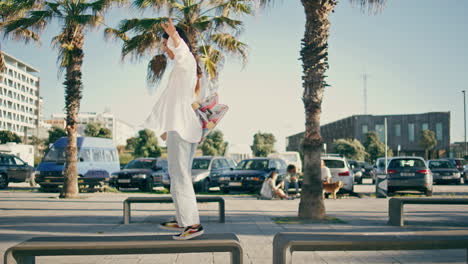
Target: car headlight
column 457, row 174
column 224, row 178
column 139, row 176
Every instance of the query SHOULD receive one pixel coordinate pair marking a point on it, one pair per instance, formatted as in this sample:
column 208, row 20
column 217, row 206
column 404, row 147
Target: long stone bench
column 166, row 199
column 284, row 244
column 25, row 253
column 395, row 206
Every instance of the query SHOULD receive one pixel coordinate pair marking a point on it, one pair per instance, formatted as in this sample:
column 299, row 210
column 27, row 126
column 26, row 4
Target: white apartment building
column 19, row 97
column 121, row 130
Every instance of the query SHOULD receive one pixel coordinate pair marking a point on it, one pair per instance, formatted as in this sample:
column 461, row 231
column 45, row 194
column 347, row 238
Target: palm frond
column 370, row 6
column 85, row 20
column 114, row 34
column 141, row 44
column 102, row 5
column 229, row 44
column 156, row 68
column 25, row 35
column 36, row 20
column 142, row 25
column 212, row 60
column 156, row 4
column 222, row 21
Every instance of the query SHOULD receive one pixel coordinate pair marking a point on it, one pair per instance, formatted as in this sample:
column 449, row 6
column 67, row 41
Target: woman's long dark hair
column 184, row 37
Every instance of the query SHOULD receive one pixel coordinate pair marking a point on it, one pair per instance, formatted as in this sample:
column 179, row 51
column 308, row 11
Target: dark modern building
column 403, row 130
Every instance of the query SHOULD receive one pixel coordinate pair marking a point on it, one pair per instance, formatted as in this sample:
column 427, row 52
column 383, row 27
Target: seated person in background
column 269, row 188
column 291, row 178
column 326, row 174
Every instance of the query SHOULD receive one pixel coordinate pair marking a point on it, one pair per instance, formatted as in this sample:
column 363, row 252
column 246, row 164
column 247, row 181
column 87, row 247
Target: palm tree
column 10, row 10
column 74, row 18
column 211, row 28
column 314, row 55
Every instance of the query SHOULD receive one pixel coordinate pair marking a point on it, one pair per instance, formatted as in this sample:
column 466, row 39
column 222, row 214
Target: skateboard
column 210, row 113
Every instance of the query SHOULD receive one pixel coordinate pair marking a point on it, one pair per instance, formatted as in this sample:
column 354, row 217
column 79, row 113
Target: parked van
column 291, row 157
column 97, row 159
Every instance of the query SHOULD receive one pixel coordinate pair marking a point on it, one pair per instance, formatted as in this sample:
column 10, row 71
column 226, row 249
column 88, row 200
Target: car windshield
column 441, row 164
column 253, row 165
column 381, row 163
column 334, row 164
column 201, row 164
column 55, row 155
column 406, row 163
column 140, row 164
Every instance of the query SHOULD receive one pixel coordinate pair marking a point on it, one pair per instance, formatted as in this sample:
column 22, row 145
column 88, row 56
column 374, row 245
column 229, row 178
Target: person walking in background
column 291, row 178
column 174, row 117
column 270, row 189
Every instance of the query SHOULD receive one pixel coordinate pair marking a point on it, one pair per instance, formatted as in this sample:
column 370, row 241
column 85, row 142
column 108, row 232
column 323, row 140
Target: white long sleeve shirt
column 173, row 111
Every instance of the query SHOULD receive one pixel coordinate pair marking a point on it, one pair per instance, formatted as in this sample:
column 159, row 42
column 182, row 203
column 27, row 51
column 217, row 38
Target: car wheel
column 428, row 192
column 3, row 181
column 202, row 186
column 149, row 185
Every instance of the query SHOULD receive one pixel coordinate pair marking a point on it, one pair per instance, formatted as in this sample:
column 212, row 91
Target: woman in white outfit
column 174, row 116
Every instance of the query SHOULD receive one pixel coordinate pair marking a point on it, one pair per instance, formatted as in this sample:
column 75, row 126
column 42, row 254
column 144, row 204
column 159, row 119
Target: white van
column 291, row 157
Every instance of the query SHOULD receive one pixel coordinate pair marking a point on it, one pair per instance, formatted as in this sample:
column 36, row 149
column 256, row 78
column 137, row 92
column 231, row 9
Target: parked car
column 458, row 163
column 357, row 170
column 206, row 171
column 366, row 170
column 378, row 168
column 97, row 159
column 13, row 169
column 465, row 174
column 142, row 173
column 250, row 174
column 290, row 157
column 444, row 171
column 409, row 173
column 340, row 171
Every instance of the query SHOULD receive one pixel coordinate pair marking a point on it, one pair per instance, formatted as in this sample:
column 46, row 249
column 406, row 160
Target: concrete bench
column 166, row 199
column 284, row 244
column 395, row 206
column 25, row 253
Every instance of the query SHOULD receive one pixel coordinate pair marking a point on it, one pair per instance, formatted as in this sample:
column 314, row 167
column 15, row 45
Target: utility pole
column 364, row 79
column 464, row 117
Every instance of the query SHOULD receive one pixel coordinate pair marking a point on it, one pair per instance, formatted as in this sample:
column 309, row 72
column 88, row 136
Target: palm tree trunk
column 315, row 62
column 73, row 86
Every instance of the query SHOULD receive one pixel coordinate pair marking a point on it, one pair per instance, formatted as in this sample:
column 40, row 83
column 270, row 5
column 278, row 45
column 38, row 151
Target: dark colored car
column 357, row 169
column 409, row 173
column 366, row 170
column 142, row 173
column 444, row 171
column 458, row 163
column 13, row 169
column 250, row 174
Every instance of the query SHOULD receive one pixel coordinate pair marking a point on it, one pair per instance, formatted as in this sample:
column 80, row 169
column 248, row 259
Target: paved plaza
column 27, row 213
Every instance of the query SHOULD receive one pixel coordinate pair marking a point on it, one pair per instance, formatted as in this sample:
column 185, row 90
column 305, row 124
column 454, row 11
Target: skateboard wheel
column 210, row 125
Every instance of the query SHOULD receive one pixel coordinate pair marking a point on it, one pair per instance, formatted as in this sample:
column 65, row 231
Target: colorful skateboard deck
column 210, row 113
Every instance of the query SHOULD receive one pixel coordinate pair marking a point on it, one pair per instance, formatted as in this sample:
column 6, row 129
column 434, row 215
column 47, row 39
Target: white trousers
column 180, row 158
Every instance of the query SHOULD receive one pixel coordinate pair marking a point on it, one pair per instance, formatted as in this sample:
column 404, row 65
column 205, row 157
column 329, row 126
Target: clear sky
column 415, row 53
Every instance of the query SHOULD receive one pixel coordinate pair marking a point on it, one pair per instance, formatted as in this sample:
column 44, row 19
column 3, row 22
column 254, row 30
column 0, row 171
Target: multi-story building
column 402, row 130
column 19, row 97
column 121, row 130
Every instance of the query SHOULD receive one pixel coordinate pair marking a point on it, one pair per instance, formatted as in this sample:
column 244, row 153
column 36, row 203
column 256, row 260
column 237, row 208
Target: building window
column 365, row 129
column 411, row 132
column 425, row 126
column 398, row 130
column 380, row 129
column 439, row 133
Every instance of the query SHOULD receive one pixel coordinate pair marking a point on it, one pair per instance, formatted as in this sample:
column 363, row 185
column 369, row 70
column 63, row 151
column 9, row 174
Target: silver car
column 340, row 171
column 409, row 173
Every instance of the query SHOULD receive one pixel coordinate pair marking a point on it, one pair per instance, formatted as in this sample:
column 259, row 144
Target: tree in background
column 350, row 148
column 74, row 19
column 54, row 134
column 8, row 136
column 428, row 141
column 146, row 144
column 374, row 147
column 214, row 144
column 263, row 144
column 131, row 143
column 97, row 130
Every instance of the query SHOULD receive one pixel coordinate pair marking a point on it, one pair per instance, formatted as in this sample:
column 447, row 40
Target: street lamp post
column 464, row 117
